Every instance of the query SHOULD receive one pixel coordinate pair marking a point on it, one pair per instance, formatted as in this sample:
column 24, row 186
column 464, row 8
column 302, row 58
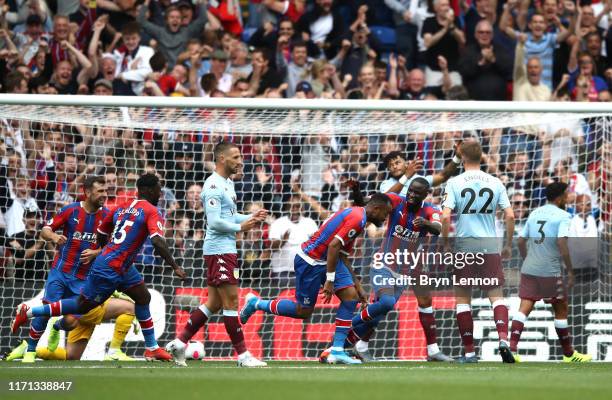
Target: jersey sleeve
column 154, row 222
column 504, row 201
column 386, row 185
column 107, row 224
column 434, row 215
column 564, row 225
column 350, row 229
column 396, row 200
column 240, row 218
column 212, row 199
column 449, row 196
column 59, row 219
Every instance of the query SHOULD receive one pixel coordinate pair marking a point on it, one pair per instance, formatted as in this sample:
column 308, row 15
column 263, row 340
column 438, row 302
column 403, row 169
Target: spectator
column 442, row 37
column 286, row 235
column 485, row 68
column 218, row 68
column 583, row 84
column 481, row 10
column 194, row 210
column 264, row 76
column 583, row 244
column 527, row 79
column 173, row 37
column 538, row 43
column 14, row 216
column 297, row 69
column 353, row 55
column 132, row 61
column 405, row 17
column 324, row 26
column 239, row 66
column 25, row 248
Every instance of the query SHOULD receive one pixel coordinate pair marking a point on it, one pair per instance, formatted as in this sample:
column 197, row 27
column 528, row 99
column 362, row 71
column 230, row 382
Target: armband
column 330, row 276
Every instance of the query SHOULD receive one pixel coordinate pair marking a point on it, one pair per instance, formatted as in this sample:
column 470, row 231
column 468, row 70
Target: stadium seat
column 386, row 37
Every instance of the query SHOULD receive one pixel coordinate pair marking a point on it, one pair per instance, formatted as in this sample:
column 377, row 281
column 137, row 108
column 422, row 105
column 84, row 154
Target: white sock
column 153, row 348
column 361, row 346
column 432, row 349
column 472, row 354
column 111, row 351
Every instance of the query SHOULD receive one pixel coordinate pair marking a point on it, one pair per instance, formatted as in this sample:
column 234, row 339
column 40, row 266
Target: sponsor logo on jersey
column 306, row 300
column 86, row 236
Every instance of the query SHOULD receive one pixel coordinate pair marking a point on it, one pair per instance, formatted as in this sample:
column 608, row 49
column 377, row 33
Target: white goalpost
column 303, row 151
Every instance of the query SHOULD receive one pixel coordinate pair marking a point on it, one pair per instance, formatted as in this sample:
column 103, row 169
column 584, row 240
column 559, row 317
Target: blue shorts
column 60, row 286
column 309, row 278
column 102, row 281
column 383, row 278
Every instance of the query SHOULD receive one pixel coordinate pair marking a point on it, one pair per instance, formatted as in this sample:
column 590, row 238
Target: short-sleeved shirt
column 80, row 229
column 219, row 199
column 475, row 196
column 401, row 232
column 127, row 228
column 542, row 49
column 388, row 184
column 544, row 226
column 345, row 225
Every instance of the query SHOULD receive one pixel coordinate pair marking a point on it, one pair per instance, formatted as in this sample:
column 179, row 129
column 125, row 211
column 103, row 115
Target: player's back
column 543, row 227
column 129, row 226
column 475, row 196
column 345, row 225
column 79, row 228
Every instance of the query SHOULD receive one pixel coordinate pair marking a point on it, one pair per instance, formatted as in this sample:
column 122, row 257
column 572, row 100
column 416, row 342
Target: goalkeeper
column 119, row 307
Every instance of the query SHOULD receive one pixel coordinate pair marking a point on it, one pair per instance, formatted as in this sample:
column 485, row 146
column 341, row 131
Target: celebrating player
column 543, row 244
column 220, row 256
column 330, row 246
column 474, row 196
column 113, row 269
column 410, row 219
column 76, row 249
column 81, row 329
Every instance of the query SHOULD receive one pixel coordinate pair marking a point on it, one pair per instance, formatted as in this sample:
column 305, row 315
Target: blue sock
column 379, row 308
column 37, row 328
column 364, row 328
column 343, row 323
column 62, row 307
column 283, row 307
column 146, row 325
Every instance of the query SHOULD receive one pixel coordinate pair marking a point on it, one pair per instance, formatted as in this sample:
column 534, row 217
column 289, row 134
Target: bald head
column 416, row 80
column 534, row 70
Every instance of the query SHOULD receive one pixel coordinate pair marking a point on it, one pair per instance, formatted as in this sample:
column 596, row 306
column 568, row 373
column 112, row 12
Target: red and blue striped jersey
column 401, row 233
column 129, row 226
column 79, row 227
column 345, row 225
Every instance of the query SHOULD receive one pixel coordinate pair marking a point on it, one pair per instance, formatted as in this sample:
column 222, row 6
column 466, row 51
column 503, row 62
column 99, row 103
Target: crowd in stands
column 355, row 49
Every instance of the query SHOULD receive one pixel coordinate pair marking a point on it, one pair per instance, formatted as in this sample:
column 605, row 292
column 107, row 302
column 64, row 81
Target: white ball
column 195, row 350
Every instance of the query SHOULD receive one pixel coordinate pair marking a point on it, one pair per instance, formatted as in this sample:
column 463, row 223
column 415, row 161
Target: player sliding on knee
column 323, row 260
column 543, row 244
column 220, row 257
column 410, row 221
column 79, row 331
column 475, row 196
column 125, row 229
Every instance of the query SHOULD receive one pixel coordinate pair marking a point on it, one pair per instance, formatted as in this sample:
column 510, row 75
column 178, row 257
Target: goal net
column 298, row 157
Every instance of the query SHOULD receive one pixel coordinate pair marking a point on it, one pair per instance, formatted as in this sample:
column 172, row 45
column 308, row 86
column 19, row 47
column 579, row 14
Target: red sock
column 515, row 334
column 197, row 319
column 234, row 330
column 500, row 316
column 351, row 338
column 428, row 322
column 564, row 337
column 466, row 327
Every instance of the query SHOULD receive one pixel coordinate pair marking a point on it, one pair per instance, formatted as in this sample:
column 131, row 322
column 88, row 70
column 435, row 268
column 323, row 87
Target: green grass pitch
column 312, row 381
